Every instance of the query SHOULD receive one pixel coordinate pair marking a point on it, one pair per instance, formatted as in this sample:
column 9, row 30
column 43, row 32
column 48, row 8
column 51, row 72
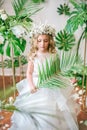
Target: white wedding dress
column 46, row 109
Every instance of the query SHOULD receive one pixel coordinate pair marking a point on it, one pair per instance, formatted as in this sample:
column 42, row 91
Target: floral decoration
column 42, row 29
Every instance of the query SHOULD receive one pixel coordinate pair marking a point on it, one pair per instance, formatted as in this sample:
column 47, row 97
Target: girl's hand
column 33, row 90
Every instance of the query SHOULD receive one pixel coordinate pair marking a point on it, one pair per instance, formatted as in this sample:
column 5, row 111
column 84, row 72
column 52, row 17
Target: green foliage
column 68, row 60
column 64, row 40
column 9, row 92
column 72, row 66
column 2, row 49
column 25, row 8
column 7, row 63
column 50, row 76
column 38, row 1
column 9, row 107
column 78, row 17
column 11, row 37
column 78, row 71
column 63, row 9
column 57, row 73
column 4, row 105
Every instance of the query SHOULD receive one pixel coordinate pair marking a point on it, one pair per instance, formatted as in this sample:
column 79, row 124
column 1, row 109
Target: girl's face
column 43, row 43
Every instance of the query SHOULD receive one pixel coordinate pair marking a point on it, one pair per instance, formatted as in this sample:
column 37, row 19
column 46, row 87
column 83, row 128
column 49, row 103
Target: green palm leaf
column 38, row 1
column 68, row 60
column 55, row 73
column 25, row 8
column 64, row 40
column 50, row 76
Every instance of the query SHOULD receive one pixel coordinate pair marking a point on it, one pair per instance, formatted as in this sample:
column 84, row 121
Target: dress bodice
column 38, row 61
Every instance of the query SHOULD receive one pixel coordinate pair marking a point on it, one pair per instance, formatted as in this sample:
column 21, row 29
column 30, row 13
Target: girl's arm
column 29, row 76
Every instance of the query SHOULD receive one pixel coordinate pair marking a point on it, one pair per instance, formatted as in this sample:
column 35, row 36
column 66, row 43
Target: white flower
column 42, row 29
column 1, row 39
column 11, row 100
column 81, row 92
column 81, row 122
column 6, row 125
column 75, row 96
column 2, row 11
column 19, row 31
column 3, row 127
column 4, row 16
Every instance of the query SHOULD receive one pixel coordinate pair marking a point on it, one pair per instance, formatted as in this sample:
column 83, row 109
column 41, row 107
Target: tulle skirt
column 46, row 109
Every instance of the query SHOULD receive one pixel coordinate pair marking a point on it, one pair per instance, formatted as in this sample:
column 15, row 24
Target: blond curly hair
column 33, row 49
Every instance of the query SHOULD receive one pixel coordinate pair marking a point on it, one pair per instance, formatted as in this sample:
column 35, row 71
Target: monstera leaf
column 64, row 40
column 63, row 9
column 78, row 16
column 38, row 1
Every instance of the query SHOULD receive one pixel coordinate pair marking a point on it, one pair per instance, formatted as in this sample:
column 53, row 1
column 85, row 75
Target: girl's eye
column 39, row 40
column 45, row 40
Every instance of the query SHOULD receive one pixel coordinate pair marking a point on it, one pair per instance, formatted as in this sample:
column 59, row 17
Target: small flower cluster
column 3, row 14
column 19, row 31
column 42, row 29
column 1, row 39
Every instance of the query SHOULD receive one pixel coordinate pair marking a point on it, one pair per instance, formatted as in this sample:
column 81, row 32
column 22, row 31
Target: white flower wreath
column 42, row 29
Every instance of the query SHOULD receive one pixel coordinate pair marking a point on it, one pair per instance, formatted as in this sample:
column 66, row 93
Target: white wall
column 47, row 15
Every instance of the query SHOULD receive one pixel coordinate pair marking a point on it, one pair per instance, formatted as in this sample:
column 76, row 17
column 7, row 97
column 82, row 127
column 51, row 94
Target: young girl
column 43, row 108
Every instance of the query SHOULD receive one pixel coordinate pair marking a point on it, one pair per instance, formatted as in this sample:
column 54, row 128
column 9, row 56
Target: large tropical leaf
column 25, row 8
column 68, row 60
column 64, row 40
column 50, row 75
column 78, row 16
column 55, row 75
column 38, row 1
column 18, row 45
column 2, row 49
column 63, row 9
